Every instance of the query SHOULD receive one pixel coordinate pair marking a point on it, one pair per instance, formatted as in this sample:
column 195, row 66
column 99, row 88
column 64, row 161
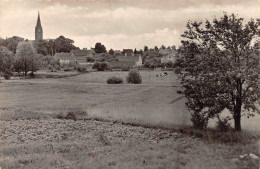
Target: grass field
column 32, row 136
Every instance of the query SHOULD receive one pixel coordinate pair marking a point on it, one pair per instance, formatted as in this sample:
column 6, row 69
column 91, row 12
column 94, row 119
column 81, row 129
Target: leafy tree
column 43, row 47
column 174, row 47
column 62, row 44
column 219, row 67
column 135, row 51
column 101, row 66
column 6, row 61
column 146, row 48
column 99, row 48
column 111, row 52
column 11, row 43
column 163, row 47
column 134, row 77
column 127, row 51
column 156, row 48
column 25, row 58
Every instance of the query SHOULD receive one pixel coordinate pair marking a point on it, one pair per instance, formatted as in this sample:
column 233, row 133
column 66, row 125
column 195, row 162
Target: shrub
column 67, row 69
column 73, row 114
column 101, row 66
column 7, row 75
column 199, row 120
column 81, row 69
column 223, row 125
column 114, row 80
column 134, row 77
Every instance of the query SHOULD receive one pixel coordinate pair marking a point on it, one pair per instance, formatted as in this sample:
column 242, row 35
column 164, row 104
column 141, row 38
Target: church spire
column 38, row 20
column 38, row 31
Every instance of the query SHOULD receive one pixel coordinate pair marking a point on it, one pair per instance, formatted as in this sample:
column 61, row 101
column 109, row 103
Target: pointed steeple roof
column 38, row 20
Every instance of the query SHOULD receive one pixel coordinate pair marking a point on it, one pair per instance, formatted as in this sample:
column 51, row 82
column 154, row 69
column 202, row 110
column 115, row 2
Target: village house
column 82, row 55
column 65, row 58
column 127, row 61
column 168, row 55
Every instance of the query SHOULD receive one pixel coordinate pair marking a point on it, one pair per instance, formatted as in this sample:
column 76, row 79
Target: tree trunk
column 237, row 121
column 238, row 106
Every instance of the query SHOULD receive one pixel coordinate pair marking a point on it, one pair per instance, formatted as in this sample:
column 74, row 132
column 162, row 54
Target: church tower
column 38, row 30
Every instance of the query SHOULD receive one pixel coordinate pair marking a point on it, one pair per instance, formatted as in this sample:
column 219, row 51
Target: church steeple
column 38, row 29
column 38, row 21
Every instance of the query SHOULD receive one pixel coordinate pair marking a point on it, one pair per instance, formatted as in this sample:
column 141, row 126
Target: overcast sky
column 117, row 24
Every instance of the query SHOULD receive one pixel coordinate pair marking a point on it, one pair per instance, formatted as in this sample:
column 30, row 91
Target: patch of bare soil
column 55, row 143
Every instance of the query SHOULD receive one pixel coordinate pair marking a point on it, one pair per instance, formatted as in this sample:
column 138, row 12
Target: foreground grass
column 53, row 141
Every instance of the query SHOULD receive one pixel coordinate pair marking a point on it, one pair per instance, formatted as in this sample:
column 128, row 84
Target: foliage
column 99, row 48
column 199, row 120
column 223, row 125
column 54, row 65
column 111, row 52
column 134, row 77
column 25, row 58
column 146, row 48
column 101, row 66
column 90, row 59
column 114, row 80
column 46, row 60
column 52, row 46
column 168, row 65
column 127, row 51
column 63, row 44
column 72, row 114
column 11, row 43
column 6, row 62
column 81, row 69
column 219, row 67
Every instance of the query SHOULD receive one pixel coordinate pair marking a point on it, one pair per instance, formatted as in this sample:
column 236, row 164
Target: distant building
column 168, row 55
column 127, row 61
column 168, row 58
column 82, row 55
column 38, row 32
column 65, row 58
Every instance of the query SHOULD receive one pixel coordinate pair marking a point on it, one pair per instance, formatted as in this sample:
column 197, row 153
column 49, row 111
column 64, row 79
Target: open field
column 32, row 137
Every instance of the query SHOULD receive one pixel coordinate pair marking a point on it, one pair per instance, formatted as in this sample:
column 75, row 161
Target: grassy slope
column 36, row 140
column 55, row 143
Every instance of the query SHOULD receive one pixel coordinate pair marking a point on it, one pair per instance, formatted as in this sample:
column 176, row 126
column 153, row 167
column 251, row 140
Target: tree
column 111, row 52
column 25, row 58
column 156, row 49
column 146, row 48
column 163, row 47
column 11, row 43
column 99, row 48
column 42, row 47
column 135, row 51
column 6, row 61
column 219, row 67
column 62, row 44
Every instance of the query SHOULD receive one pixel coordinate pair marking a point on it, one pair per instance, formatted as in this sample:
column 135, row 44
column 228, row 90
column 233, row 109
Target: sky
column 118, row 24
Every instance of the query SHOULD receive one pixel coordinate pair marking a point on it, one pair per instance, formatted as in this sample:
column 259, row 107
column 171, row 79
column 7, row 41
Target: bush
column 101, row 66
column 223, row 125
column 7, row 75
column 73, row 114
column 114, row 80
column 81, row 69
column 67, row 69
column 199, row 120
column 134, row 77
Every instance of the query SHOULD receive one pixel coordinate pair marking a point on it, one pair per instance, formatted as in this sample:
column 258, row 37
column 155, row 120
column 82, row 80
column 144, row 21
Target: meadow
column 122, row 125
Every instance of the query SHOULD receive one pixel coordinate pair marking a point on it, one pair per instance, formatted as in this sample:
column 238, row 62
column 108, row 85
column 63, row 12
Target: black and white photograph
column 129, row 84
